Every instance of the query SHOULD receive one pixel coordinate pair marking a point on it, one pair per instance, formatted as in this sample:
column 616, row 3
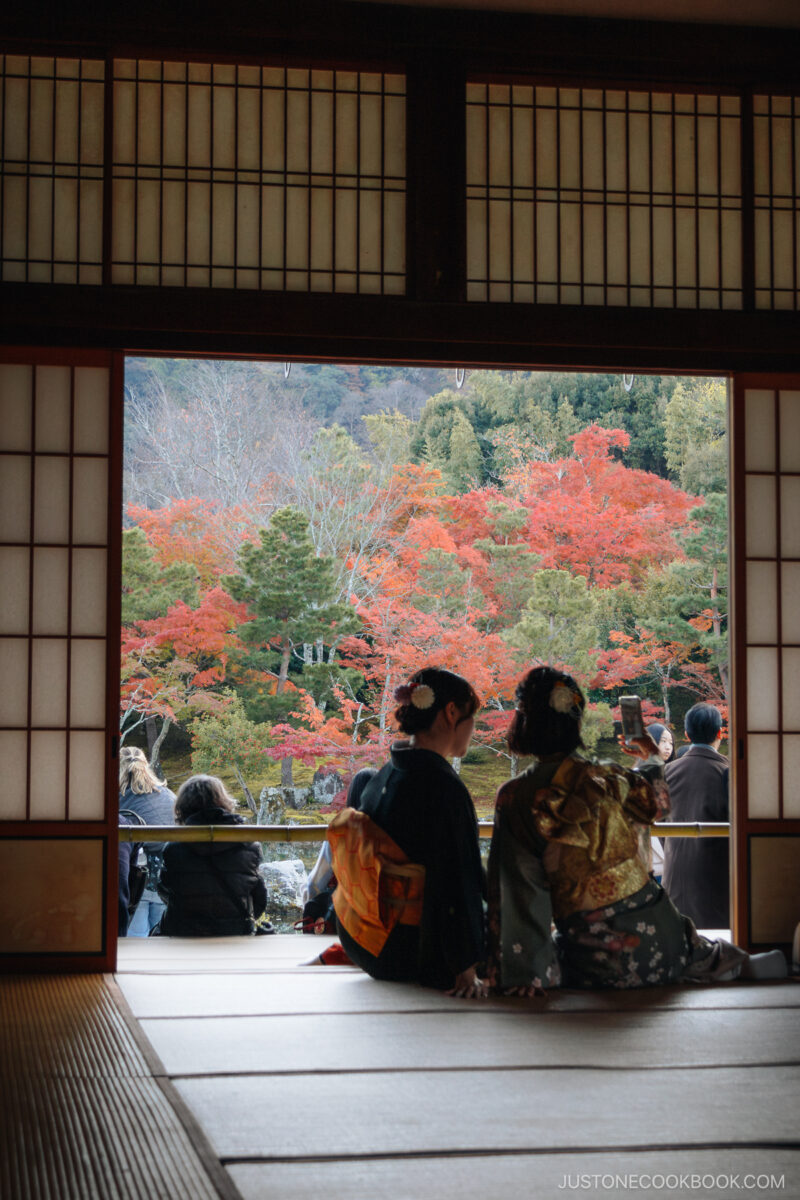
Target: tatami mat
column 698, row 1175
column 226, row 1068
column 472, row 1038
column 82, row 1116
column 393, row 1112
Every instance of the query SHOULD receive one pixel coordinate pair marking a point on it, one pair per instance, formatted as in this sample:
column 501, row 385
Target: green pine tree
column 149, row 590
column 289, row 589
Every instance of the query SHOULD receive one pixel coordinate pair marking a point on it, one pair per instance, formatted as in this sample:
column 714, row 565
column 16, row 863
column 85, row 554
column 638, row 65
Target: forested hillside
column 294, row 547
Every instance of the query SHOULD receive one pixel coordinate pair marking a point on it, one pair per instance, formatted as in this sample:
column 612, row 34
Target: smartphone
column 630, row 708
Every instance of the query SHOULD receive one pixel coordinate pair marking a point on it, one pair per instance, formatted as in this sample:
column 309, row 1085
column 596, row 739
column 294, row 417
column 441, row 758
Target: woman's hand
column 469, row 986
column 529, row 991
column 639, row 747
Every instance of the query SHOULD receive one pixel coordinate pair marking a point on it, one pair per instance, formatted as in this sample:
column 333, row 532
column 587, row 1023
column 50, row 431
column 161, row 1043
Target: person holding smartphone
column 565, row 849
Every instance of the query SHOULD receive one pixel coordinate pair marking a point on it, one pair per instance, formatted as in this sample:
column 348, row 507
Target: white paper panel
column 50, row 590
column 761, row 541
column 14, row 757
column 87, row 777
column 790, row 590
column 14, row 674
column 48, row 682
column 48, row 775
column 16, row 409
column 14, row 589
column 790, row 430
column 762, row 775
column 762, row 602
column 791, row 775
column 89, row 599
column 88, row 684
column 51, row 500
column 91, row 410
column 762, row 689
column 53, row 409
column 15, row 499
column 790, row 516
column 90, row 501
column 759, row 429
column 791, row 688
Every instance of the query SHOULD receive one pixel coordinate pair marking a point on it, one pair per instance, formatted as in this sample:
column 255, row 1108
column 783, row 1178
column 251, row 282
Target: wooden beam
column 339, row 328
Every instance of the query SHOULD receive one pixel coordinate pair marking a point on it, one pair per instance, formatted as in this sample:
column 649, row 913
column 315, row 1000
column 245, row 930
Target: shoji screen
column 776, row 179
column 766, row 552
column 601, row 196
column 59, row 659
column 258, row 177
column 51, row 169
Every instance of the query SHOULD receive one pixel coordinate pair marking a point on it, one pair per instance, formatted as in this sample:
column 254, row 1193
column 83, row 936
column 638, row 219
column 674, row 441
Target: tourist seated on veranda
column 318, row 913
column 211, row 889
column 565, row 847
column 409, row 896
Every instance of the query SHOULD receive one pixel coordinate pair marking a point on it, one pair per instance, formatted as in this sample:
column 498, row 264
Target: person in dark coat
column 211, row 889
column 420, row 802
column 696, row 869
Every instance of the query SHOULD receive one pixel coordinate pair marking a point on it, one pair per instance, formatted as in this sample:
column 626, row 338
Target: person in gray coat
column 696, row 869
column 148, row 798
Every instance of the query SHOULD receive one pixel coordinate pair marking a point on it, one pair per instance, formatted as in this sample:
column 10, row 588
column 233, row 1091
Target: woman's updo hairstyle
column 425, row 695
column 201, row 794
column 548, row 718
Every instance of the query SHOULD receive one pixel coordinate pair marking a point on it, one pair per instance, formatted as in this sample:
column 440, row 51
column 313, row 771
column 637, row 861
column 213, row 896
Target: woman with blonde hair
column 142, row 793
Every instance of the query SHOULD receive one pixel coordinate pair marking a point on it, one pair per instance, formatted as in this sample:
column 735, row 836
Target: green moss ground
column 482, row 778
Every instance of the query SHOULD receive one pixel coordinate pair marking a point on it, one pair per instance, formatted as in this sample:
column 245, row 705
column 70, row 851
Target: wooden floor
column 226, row 1069
column 320, row 1082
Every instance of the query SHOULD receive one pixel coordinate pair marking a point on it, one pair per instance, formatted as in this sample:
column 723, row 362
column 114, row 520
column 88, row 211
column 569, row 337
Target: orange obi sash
column 376, row 886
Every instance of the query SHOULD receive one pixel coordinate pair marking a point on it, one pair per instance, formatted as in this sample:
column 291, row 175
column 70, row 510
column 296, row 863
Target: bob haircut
column 136, row 773
column 199, row 794
column 446, row 686
column 537, row 728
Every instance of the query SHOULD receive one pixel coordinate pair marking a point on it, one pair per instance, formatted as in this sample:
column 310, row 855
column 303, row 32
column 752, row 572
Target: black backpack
column 138, row 870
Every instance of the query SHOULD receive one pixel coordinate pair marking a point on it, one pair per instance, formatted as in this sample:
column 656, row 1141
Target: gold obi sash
column 588, row 816
column 376, row 886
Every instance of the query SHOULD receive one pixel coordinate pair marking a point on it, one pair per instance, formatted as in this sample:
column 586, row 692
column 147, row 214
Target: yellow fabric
column 376, row 886
column 586, row 815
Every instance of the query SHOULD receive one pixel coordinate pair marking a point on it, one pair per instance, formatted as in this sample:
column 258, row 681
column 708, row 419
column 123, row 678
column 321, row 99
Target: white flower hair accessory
column 564, row 700
column 422, row 696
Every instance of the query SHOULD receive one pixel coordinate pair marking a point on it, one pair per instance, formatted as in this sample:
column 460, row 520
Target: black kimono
column 418, row 799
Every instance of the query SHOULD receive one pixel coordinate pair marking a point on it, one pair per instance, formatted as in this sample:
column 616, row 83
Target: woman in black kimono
column 419, row 801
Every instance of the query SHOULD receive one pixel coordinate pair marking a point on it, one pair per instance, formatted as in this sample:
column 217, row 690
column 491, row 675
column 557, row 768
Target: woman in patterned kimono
column 565, row 848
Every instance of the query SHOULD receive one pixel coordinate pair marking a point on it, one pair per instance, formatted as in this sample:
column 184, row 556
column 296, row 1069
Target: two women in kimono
column 565, row 850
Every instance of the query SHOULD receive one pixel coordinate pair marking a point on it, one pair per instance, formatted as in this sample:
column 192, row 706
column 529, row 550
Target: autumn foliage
column 298, row 620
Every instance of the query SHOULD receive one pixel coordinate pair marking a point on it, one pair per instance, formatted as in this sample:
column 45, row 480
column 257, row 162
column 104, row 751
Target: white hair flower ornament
column 419, row 695
column 564, row 700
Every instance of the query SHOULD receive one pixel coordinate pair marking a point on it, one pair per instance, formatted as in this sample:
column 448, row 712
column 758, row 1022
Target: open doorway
column 298, row 539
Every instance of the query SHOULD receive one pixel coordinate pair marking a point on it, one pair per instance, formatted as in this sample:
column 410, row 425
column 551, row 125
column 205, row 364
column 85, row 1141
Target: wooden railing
column 316, row 833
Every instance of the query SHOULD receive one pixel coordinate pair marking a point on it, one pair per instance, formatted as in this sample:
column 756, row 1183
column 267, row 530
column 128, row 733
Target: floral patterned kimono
column 566, row 847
